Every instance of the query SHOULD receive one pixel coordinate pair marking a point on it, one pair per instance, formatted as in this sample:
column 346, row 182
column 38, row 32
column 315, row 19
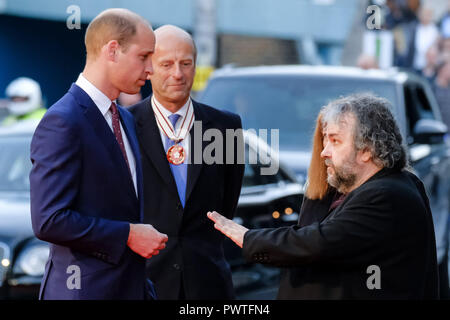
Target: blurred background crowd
column 43, row 40
column 420, row 36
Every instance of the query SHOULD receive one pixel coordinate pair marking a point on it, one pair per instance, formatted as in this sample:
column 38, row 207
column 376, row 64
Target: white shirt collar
column 182, row 111
column 99, row 98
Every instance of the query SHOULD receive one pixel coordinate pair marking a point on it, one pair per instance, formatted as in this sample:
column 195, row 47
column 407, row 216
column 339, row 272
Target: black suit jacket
column 193, row 259
column 385, row 222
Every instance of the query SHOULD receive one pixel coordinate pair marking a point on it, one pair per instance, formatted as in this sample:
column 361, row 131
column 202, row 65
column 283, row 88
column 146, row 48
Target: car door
column 430, row 159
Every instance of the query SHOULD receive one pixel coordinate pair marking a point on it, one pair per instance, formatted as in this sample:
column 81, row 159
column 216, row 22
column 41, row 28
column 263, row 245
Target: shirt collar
column 182, row 111
column 99, row 98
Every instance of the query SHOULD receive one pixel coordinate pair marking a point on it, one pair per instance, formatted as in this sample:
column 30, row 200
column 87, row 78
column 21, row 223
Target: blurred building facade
column 36, row 41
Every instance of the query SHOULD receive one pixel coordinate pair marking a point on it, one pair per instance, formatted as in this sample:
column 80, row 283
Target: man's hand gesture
column 228, row 227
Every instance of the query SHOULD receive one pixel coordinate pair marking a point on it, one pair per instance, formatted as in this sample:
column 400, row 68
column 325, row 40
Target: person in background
column 180, row 186
column 444, row 23
column 442, row 92
column 426, row 34
column 319, row 194
column 25, row 101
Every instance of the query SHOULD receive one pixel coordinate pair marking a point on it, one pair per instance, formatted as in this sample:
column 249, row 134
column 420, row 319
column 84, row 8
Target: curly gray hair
column 375, row 129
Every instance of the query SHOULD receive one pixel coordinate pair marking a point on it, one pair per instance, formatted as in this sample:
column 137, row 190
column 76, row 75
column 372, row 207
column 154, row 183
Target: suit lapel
column 151, row 144
column 194, row 169
column 105, row 135
column 127, row 125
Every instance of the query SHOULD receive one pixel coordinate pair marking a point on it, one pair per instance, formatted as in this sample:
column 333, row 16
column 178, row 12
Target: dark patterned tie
column 338, row 199
column 118, row 132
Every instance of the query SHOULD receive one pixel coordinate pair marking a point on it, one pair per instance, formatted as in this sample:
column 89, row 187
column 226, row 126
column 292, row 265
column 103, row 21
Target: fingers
column 145, row 240
column 214, row 216
column 220, row 228
column 160, row 245
column 228, row 227
column 154, row 252
column 164, row 237
column 211, row 216
column 223, row 228
column 221, row 223
column 218, row 218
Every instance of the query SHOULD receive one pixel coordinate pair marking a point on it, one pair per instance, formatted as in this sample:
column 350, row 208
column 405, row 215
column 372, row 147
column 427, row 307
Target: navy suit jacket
column 82, row 201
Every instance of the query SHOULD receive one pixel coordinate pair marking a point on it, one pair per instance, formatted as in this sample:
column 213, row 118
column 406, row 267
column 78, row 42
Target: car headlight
column 32, row 260
column 4, row 261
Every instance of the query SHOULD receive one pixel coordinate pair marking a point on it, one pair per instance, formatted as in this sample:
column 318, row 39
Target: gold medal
column 175, row 154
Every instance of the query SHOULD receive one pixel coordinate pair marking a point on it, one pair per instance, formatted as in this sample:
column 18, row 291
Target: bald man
column 86, row 180
column 179, row 186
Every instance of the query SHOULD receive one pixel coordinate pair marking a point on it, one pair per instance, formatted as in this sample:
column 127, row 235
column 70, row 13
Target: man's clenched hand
column 146, row 240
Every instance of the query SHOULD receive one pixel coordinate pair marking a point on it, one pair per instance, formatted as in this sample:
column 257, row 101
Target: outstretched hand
column 228, row 227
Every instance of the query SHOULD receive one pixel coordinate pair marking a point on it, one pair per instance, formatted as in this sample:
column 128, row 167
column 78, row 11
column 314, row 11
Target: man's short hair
column 112, row 24
column 375, row 128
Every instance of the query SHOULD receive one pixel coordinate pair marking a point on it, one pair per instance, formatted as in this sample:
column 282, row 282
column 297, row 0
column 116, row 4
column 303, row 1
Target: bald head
column 173, row 67
column 170, row 33
column 112, row 24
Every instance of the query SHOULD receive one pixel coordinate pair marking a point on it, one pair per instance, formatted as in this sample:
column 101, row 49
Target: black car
column 23, row 256
column 288, row 98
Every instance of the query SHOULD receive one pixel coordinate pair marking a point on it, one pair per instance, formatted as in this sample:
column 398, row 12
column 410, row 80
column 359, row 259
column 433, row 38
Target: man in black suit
column 179, row 188
column 374, row 241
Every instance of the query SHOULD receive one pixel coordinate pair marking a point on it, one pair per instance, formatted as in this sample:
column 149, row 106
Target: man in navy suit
column 179, row 192
column 86, row 180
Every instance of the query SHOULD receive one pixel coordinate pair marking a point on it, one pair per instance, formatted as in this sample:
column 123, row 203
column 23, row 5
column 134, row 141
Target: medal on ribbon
column 175, row 154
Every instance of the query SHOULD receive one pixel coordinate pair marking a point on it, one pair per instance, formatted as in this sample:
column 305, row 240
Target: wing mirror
column 429, row 131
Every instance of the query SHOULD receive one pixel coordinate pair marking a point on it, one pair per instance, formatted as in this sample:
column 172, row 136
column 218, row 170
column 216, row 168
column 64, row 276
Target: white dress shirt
column 182, row 112
column 103, row 104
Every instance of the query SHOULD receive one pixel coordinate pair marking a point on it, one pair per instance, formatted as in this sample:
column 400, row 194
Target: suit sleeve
column 234, row 173
column 350, row 237
column 54, row 184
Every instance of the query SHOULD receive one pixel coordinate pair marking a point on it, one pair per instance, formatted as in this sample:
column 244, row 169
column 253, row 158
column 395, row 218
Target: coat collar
column 380, row 174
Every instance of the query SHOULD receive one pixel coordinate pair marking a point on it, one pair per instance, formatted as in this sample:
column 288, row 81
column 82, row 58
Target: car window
column 287, row 103
column 15, row 164
column 252, row 172
column 253, row 177
column 417, row 104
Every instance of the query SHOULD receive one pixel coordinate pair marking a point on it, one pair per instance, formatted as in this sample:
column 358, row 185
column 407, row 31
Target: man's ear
column 111, row 49
column 366, row 155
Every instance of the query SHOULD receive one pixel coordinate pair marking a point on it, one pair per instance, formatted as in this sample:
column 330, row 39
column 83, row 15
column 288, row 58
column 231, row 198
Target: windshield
column 15, row 164
column 287, row 103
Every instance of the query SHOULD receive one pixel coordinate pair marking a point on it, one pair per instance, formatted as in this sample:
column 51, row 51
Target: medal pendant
column 175, row 154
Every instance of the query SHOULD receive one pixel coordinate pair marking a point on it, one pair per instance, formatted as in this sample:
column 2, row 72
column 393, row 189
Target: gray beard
column 343, row 179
